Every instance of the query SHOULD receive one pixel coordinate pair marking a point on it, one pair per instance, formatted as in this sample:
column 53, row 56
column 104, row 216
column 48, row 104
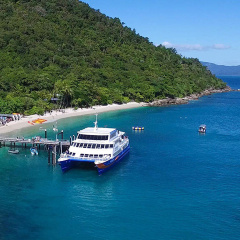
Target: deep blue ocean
column 174, row 184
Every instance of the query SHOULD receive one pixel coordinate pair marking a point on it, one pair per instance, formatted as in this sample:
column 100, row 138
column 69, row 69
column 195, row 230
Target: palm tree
column 64, row 90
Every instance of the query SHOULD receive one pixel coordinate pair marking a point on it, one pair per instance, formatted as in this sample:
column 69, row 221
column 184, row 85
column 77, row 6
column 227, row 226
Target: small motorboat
column 33, row 151
column 13, row 151
column 202, row 128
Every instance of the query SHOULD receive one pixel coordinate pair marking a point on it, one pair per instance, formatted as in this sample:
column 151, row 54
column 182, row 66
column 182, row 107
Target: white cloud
column 167, row 44
column 195, row 47
column 220, row 46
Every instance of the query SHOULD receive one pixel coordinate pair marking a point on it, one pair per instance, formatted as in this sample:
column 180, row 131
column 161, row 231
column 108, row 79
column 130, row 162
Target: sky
column 205, row 29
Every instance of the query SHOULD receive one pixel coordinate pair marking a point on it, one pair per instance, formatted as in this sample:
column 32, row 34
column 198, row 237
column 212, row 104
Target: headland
column 185, row 100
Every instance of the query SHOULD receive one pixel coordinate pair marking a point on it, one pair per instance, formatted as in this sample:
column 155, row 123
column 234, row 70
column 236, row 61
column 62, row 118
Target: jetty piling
column 60, row 143
column 54, row 155
column 49, row 156
column 61, row 133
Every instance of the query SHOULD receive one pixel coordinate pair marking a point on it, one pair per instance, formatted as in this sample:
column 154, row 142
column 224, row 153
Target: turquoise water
column 174, row 184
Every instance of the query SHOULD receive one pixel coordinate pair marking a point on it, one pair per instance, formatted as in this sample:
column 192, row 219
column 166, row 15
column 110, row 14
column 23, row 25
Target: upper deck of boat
column 97, row 131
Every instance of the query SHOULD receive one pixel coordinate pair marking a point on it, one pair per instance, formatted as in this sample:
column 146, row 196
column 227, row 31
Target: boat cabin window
column 100, row 155
column 86, row 155
column 74, row 154
column 81, row 155
column 93, row 137
column 91, row 155
column 93, row 146
column 95, row 156
column 113, row 134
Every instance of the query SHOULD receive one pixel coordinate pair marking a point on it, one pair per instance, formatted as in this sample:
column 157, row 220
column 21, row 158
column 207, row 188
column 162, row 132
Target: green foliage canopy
column 64, row 48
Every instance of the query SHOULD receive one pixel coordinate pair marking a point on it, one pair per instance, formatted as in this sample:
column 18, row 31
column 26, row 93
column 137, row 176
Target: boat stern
column 104, row 165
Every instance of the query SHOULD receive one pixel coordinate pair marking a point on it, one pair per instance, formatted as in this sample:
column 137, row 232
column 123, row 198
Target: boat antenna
column 96, row 126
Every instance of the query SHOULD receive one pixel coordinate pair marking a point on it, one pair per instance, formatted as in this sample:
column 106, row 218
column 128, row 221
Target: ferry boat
column 102, row 147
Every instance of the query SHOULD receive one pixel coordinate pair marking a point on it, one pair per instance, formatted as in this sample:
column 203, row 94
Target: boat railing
column 65, row 155
column 124, row 141
column 62, row 140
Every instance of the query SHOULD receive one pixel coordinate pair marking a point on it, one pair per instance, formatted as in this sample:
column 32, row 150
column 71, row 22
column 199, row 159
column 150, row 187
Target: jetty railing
column 50, row 145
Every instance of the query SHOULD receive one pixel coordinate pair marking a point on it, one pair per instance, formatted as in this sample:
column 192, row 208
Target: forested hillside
column 65, row 49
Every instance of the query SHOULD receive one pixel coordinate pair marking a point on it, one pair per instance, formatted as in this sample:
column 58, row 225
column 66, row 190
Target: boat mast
column 96, row 126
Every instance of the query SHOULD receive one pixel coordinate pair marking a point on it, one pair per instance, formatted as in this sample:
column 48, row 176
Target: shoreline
column 185, row 100
column 69, row 112
column 25, row 122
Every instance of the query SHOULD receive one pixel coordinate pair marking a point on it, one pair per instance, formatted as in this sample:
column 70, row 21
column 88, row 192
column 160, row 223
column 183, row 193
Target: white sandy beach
column 69, row 112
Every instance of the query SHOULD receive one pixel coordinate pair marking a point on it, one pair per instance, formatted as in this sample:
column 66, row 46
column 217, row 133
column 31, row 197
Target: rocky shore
column 185, row 100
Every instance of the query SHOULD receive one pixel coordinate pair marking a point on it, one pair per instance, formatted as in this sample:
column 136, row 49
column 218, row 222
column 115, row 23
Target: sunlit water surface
column 174, row 184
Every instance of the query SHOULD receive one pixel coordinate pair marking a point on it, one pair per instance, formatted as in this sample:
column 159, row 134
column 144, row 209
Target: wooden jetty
column 50, row 145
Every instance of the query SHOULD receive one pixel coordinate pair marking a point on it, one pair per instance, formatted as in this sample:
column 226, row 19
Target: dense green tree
column 65, row 49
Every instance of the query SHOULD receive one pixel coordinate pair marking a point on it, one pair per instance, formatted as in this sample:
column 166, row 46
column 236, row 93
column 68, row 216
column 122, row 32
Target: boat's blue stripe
column 81, row 160
column 119, row 157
